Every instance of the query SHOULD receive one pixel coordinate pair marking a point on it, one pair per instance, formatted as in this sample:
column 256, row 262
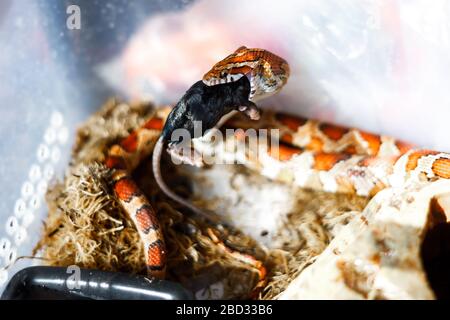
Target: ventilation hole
column 27, row 189
column 48, row 172
column 35, row 202
column 56, row 119
column 56, row 155
column 41, row 187
column 20, row 208
column 63, row 135
column 50, row 136
column 43, row 153
column 20, row 236
column 35, row 173
column 5, row 245
column 11, row 256
column 27, row 219
column 11, row 225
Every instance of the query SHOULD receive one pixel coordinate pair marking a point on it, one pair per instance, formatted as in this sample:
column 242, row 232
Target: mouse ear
column 240, row 48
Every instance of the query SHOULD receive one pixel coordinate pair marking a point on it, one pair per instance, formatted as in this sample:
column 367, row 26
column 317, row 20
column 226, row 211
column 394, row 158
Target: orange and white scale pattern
column 310, row 154
column 327, row 157
column 267, row 72
column 124, row 157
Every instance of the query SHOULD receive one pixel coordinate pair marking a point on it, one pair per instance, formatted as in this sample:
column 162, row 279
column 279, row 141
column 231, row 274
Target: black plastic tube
column 37, row 283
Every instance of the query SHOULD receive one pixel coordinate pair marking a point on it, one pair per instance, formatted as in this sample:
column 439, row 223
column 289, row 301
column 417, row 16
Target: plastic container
column 381, row 66
column 49, row 86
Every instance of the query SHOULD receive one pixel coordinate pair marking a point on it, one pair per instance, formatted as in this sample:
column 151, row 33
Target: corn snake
column 311, row 154
column 124, row 158
column 333, row 158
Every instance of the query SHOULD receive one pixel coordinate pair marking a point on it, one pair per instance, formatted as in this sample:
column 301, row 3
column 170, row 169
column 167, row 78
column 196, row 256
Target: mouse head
column 267, row 72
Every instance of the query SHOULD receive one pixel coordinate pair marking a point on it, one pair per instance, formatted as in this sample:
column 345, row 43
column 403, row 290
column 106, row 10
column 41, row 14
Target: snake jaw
column 267, row 72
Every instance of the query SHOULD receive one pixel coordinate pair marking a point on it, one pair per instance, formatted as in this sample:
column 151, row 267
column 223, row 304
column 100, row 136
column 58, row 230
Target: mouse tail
column 156, row 163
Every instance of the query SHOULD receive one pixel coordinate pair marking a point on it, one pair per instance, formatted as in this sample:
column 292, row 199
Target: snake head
column 267, row 72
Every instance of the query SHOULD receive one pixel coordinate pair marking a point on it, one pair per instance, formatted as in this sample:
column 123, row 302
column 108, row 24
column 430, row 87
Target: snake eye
column 223, row 74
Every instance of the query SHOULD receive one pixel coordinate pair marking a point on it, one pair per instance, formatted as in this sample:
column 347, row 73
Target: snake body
column 124, row 158
column 266, row 74
column 310, row 154
column 333, row 158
